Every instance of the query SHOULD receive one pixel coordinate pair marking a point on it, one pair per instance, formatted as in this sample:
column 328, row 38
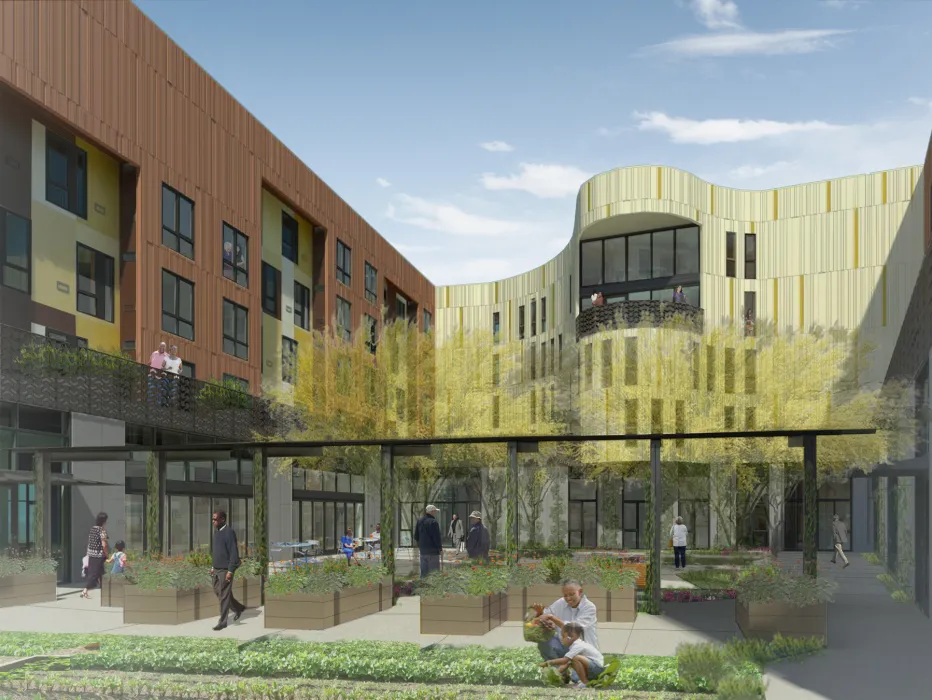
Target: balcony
column 38, row 371
column 638, row 314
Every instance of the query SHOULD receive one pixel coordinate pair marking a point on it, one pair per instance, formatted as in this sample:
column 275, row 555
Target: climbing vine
column 557, row 526
column 153, row 504
column 610, row 513
column 260, row 500
column 811, row 523
column 39, row 509
column 511, row 516
column 653, row 573
column 387, row 519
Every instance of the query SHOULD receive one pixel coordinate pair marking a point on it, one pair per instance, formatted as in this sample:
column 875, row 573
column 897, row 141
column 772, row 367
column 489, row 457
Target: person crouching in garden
column 583, row 661
column 573, row 607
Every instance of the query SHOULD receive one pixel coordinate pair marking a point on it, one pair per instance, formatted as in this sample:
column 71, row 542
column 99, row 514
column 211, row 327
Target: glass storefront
column 325, row 504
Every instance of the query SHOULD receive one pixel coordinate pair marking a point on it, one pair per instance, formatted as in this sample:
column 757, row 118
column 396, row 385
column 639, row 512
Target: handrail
column 634, row 314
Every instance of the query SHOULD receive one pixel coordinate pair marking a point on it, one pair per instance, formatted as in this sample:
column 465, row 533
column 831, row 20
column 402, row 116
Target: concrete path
column 878, row 649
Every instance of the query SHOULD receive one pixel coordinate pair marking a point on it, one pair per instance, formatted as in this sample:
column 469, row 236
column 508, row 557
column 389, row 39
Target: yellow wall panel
column 103, row 191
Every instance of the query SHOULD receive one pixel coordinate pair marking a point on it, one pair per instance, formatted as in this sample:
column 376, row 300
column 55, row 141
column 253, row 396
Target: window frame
column 291, row 227
column 345, row 331
column 543, row 314
column 302, row 311
column 372, row 275
column 344, row 264
column 233, row 266
column 521, row 319
column 232, row 337
column 289, row 359
column 496, row 326
column 176, row 231
column 102, row 264
column 428, row 321
column 750, row 256
column 731, row 254
column 533, row 317
column 175, row 314
column 75, row 185
column 276, row 296
column 4, row 247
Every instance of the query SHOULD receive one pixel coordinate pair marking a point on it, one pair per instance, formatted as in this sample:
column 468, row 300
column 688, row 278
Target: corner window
column 289, row 359
column 235, row 255
column 95, row 283
column 15, row 252
column 302, row 306
column 271, row 290
column 731, row 255
column 750, row 256
column 65, row 175
column 289, row 237
column 372, row 284
column 344, row 263
column 344, row 319
column 177, row 222
column 235, row 330
column 177, row 305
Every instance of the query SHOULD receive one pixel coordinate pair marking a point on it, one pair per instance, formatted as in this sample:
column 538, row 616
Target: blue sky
column 462, row 131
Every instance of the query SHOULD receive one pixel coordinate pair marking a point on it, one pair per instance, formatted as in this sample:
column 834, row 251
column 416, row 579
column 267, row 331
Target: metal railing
column 633, row 314
column 39, row 371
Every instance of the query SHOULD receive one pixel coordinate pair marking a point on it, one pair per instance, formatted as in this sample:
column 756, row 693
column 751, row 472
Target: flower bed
column 696, row 595
column 325, row 595
column 772, row 600
column 27, row 580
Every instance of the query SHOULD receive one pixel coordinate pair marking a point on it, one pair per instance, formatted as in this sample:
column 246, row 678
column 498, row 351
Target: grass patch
column 872, row 558
column 711, row 579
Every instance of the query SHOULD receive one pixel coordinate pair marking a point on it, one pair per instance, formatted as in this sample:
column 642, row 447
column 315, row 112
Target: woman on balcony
column 679, row 297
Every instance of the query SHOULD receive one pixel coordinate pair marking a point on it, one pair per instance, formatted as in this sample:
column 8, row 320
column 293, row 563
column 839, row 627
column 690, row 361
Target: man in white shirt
column 678, row 536
column 574, row 606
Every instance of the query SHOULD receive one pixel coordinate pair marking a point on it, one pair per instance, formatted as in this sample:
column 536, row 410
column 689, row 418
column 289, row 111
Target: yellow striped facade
column 844, row 252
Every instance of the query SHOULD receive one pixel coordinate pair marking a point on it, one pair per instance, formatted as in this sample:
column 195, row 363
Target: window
column 591, row 262
column 588, row 363
column 533, row 317
column 188, row 370
column 532, row 361
column 95, row 283
column 543, row 315
column 428, row 319
column 496, row 412
column 729, row 370
column 750, row 371
column 543, row 359
column 65, row 175
column 710, row 368
column 572, row 297
column 521, row 323
column 15, row 252
column 922, row 411
column 177, row 305
column 656, row 416
column 606, row 363
column 687, row 251
column 271, row 295
column 496, row 326
column 344, row 263
column 289, row 359
column 302, row 306
column 235, row 330
column 750, row 313
column 496, row 370
column 560, row 344
column 177, row 222
column 616, row 260
column 240, row 383
column 750, row 418
column 552, row 353
column 372, row 284
column 750, row 256
column 582, row 513
column 731, row 255
column 344, row 319
column 631, row 361
column 289, row 237
column 631, row 416
column 662, row 254
column 729, row 417
column 372, row 327
column 401, row 307
column 639, row 257
column 235, row 255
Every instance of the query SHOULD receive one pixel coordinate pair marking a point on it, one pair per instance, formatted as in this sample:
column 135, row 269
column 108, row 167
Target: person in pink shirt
column 156, row 379
column 157, row 360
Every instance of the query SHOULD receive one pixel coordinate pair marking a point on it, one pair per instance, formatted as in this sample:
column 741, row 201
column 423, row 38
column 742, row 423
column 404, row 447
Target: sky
column 463, row 131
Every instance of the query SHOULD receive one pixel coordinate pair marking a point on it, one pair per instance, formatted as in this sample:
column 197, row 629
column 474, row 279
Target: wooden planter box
column 302, row 611
column 111, row 591
column 28, row 589
column 168, row 606
column 461, row 614
column 611, row 606
column 764, row 620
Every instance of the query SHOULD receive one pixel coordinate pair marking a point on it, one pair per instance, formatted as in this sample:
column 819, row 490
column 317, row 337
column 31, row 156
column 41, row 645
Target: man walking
column 428, row 539
column 225, row 563
column 477, row 541
column 839, row 540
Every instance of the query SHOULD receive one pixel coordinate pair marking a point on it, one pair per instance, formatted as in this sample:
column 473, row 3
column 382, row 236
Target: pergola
column 157, row 458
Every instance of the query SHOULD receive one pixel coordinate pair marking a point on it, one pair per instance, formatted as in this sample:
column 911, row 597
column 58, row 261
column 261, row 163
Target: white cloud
column 716, row 14
column 382, row 182
column 541, row 180
column 497, row 146
column 844, row 4
column 449, row 219
column 755, row 172
column 921, row 101
column 746, row 42
column 709, row 131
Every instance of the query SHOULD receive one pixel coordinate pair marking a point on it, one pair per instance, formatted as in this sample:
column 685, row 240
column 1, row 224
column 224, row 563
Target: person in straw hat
column 477, row 541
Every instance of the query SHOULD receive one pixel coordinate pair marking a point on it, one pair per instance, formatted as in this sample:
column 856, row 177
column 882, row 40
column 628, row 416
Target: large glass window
column 179, row 528
column 15, row 252
column 135, row 522
column 372, row 284
column 177, row 222
column 302, row 306
column 344, row 263
column 663, row 254
column 289, row 237
column 271, row 290
column 95, row 283
column 616, row 260
column 750, row 256
column 583, row 513
column 65, row 174
column 235, row 255
column 235, row 330
column 731, row 254
column 177, row 305
column 639, row 260
column 687, row 251
column 591, row 252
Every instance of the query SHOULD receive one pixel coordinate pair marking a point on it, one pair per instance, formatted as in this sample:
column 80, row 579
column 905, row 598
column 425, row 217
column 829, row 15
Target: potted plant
column 27, row 580
column 463, row 600
column 167, row 592
column 771, row 600
column 320, row 596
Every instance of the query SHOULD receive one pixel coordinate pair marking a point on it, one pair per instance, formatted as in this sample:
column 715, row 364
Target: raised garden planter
column 462, row 614
column 611, row 606
column 764, row 620
column 168, row 606
column 111, row 591
column 28, row 589
column 305, row 611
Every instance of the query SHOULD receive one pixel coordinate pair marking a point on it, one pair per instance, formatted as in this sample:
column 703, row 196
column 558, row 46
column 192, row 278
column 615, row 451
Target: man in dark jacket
column 224, row 565
column 428, row 539
column 477, row 541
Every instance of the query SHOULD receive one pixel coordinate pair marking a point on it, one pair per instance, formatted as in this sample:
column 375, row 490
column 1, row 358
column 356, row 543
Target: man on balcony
column 156, row 374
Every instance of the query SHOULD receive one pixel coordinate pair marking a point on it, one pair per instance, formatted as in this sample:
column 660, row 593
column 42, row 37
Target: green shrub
column 762, row 652
column 199, row 558
column 524, row 575
column 219, row 396
column 774, row 584
column 887, row 580
column 331, row 576
column 27, row 566
column 702, row 665
column 156, row 574
column 248, row 568
column 901, row 597
column 556, row 567
column 711, row 579
column 465, row 580
column 872, row 558
column 740, row 688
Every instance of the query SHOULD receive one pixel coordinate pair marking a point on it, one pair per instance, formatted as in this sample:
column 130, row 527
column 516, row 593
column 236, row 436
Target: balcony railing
column 38, row 371
column 633, row 314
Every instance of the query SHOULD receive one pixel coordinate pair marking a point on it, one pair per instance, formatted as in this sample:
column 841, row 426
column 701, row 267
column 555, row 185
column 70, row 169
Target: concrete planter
column 28, row 589
column 303, row 611
column 764, row 620
column 168, row 606
column 611, row 606
column 111, row 591
column 462, row 614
